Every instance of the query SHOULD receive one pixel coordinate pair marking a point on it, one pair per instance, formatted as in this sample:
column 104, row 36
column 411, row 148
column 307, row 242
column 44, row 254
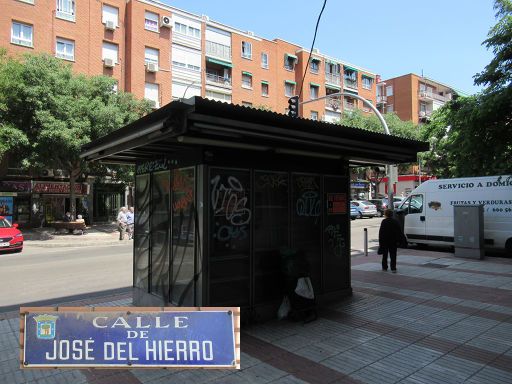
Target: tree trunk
column 72, row 198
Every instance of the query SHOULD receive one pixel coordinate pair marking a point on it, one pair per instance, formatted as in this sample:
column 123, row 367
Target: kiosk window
column 141, row 233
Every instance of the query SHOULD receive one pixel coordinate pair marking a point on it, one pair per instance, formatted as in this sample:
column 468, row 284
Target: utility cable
column 312, row 46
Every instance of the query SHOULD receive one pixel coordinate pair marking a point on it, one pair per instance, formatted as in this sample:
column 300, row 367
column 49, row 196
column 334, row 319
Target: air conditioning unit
column 166, row 22
column 109, row 63
column 110, row 25
column 250, row 33
column 151, row 67
column 47, row 173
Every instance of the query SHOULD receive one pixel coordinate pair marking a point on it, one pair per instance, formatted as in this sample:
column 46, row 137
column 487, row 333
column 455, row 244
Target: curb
column 73, row 244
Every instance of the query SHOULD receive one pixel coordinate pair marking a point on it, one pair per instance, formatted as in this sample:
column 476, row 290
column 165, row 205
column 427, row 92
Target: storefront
column 359, row 190
column 108, row 198
column 222, row 190
column 15, row 201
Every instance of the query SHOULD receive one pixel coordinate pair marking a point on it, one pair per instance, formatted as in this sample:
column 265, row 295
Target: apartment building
column 412, row 97
column 163, row 53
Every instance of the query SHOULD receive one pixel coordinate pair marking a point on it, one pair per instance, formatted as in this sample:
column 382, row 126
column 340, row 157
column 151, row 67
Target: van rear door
column 415, row 221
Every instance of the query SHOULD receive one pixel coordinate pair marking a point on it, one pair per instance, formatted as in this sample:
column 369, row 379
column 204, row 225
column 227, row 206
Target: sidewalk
column 101, row 234
column 438, row 320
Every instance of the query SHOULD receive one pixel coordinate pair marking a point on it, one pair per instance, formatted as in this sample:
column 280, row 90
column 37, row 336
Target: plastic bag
column 305, row 288
column 380, row 251
column 284, row 308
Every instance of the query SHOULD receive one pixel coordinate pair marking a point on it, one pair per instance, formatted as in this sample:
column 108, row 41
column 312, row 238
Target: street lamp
column 384, row 125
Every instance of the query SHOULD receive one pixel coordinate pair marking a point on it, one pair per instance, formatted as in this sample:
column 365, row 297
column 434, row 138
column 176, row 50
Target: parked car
column 365, row 208
column 11, row 238
column 397, row 200
column 354, row 212
column 381, row 204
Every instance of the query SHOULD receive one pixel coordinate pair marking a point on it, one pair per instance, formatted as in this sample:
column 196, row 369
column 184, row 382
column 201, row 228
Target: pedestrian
column 390, row 236
column 122, row 222
column 130, row 220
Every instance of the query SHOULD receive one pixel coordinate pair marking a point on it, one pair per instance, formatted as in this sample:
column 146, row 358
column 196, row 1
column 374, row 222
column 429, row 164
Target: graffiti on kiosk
column 308, row 204
column 335, row 239
column 230, row 232
column 275, row 180
column 230, row 201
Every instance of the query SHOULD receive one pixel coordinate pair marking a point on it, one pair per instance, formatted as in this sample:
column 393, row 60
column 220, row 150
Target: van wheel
column 508, row 247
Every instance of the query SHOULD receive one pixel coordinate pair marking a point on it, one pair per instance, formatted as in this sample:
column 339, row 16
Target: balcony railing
column 433, row 96
column 382, row 99
column 218, row 50
column 218, row 80
column 350, row 83
column 332, row 78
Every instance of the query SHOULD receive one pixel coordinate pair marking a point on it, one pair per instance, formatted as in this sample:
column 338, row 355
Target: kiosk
column 221, row 190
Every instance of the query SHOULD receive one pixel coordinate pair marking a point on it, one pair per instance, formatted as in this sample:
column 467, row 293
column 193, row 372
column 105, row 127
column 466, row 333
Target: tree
column 472, row 136
column 53, row 112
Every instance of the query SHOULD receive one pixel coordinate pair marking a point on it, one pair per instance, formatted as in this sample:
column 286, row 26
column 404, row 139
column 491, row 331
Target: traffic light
column 293, row 106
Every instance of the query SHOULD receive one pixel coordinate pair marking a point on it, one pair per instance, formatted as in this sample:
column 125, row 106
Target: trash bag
column 284, row 308
column 305, row 288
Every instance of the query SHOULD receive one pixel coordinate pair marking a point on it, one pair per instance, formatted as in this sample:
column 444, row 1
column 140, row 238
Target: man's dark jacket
column 390, row 233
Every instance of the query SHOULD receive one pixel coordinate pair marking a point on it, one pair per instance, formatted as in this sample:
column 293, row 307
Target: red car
column 11, row 238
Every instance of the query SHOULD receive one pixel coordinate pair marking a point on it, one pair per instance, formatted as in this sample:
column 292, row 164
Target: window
column 389, row 108
column 313, row 91
column 314, row 65
column 423, row 107
column 109, row 51
column 264, row 88
column 389, row 90
column 115, row 87
column 246, row 80
column 367, row 82
column 218, row 96
column 187, row 30
column 413, row 204
column 246, row 50
column 264, row 60
column 151, row 56
column 21, row 34
column 289, row 62
column 110, row 14
column 151, row 93
column 66, row 9
column 289, row 88
column 180, row 28
column 246, row 104
column 314, row 115
column 65, row 49
column 151, row 21
column 194, row 32
column 186, row 58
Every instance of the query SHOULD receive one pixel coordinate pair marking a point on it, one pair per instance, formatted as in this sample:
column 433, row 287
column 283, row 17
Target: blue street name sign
column 130, row 339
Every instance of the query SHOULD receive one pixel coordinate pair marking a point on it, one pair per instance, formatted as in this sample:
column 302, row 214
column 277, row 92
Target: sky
column 441, row 38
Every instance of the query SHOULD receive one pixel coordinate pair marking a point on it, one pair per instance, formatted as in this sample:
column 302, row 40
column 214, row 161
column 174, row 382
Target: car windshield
column 4, row 223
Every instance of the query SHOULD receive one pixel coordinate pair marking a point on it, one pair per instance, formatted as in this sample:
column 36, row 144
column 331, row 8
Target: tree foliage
column 472, row 136
column 48, row 113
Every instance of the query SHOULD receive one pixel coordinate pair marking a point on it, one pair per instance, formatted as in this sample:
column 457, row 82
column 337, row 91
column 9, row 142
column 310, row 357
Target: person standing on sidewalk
column 122, row 222
column 390, row 236
column 130, row 222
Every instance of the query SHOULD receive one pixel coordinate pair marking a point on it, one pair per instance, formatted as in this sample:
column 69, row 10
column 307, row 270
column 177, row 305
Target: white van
column 428, row 211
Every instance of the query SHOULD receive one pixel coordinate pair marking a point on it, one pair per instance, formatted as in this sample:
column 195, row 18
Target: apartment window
column 246, row 50
column 151, row 21
column 246, row 80
column 246, row 104
column 423, row 107
column 389, row 108
column 367, row 82
column 313, row 115
column 218, row 96
column 332, row 68
column 290, row 61
column 109, row 51
column 110, row 13
column 194, row 32
column 264, row 60
column 151, row 93
column 21, row 34
column 151, row 56
column 66, row 9
column 313, row 91
column 289, row 88
column 389, row 91
column 314, row 65
column 115, row 87
column 65, row 49
column 180, row 28
column 264, row 88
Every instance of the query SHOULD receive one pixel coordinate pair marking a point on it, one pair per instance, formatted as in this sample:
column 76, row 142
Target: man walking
column 122, row 222
column 390, row 236
column 130, row 222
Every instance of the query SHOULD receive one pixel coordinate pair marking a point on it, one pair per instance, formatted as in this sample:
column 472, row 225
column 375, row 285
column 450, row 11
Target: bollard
column 366, row 242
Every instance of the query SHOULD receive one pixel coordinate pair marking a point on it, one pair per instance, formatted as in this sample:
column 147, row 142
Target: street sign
column 130, row 337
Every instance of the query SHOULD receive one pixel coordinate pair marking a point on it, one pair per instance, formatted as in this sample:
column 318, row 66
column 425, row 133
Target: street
column 47, row 273
column 39, row 273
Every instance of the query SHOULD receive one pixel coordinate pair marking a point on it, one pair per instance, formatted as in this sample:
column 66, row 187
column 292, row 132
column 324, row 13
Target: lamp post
column 384, row 125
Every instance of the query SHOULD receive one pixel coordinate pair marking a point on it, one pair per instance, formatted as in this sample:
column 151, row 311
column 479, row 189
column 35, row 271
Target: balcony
column 349, row 106
column 429, row 96
column 350, row 83
column 332, row 78
column 218, row 50
column 220, row 81
column 382, row 99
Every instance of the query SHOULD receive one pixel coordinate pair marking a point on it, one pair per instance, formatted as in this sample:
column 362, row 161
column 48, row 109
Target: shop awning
column 287, row 55
column 196, row 123
column 316, row 59
column 220, row 62
column 314, row 84
column 264, row 82
column 332, row 87
column 290, row 82
column 367, row 75
column 246, row 73
column 349, row 68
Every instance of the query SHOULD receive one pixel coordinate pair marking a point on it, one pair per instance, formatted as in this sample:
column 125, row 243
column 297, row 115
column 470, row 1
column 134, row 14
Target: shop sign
column 155, row 166
column 7, row 207
column 117, row 337
column 358, row 185
column 58, row 187
column 15, row 186
column 336, row 203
